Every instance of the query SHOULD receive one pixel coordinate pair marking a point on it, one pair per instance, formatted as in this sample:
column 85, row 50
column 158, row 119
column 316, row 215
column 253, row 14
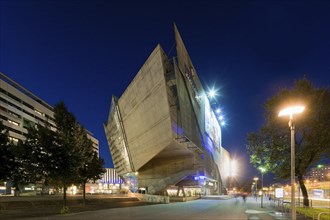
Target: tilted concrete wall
column 160, row 168
column 145, row 111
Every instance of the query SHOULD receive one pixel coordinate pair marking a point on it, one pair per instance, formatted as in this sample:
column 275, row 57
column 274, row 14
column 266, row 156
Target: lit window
column 15, row 140
column 13, row 122
column 39, row 112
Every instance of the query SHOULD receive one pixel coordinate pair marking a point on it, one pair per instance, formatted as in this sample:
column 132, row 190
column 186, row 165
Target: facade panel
column 145, row 112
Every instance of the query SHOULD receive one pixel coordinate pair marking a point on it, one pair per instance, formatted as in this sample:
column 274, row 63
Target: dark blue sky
column 82, row 52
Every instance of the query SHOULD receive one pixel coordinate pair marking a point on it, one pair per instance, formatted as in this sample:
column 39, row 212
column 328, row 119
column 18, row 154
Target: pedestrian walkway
column 217, row 197
column 270, row 210
column 206, row 208
column 27, row 206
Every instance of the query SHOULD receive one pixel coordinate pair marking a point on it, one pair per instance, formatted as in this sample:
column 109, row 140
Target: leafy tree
column 92, row 171
column 92, row 168
column 270, row 147
column 41, row 143
column 14, row 161
column 69, row 156
column 5, row 153
column 19, row 170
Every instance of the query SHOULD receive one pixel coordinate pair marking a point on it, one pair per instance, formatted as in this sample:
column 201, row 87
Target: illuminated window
column 39, row 112
column 13, row 122
column 15, row 140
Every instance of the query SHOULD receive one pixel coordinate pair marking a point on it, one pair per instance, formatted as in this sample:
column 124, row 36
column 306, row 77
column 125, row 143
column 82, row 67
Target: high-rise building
column 319, row 173
column 19, row 108
column 163, row 133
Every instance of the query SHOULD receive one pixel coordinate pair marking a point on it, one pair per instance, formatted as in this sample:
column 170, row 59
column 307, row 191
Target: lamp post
column 256, row 179
column 291, row 111
column 262, row 170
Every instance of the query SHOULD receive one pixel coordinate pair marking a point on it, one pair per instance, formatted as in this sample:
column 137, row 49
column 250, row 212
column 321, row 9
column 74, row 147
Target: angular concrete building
column 162, row 132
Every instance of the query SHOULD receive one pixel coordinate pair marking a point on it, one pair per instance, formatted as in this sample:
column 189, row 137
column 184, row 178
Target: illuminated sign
column 318, row 193
column 279, row 193
column 190, row 74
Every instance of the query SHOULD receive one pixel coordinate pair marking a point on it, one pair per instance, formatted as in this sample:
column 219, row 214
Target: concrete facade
column 156, row 132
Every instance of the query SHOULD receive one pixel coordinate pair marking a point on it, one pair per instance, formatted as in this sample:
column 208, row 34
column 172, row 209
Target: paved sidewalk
column 100, row 206
column 270, row 207
column 38, row 206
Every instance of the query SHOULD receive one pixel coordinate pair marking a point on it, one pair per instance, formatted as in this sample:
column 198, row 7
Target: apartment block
column 20, row 108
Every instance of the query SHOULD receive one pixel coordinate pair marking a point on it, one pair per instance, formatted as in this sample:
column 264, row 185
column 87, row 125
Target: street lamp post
column 256, row 179
column 262, row 170
column 290, row 111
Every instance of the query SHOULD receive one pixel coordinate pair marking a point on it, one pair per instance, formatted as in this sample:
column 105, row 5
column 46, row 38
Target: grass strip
column 313, row 212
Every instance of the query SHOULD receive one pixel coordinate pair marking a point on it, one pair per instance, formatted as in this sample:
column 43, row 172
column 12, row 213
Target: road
column 198, row 209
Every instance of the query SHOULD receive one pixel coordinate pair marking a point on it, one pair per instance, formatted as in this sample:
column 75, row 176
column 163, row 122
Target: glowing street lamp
column 212, row 93
column 291, row 111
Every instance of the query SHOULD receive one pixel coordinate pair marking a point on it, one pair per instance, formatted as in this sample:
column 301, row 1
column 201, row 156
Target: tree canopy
column 62, row 156
column 270, row 147
column 5, row 153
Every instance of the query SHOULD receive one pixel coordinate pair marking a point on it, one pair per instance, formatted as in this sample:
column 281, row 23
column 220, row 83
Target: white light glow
column 218, row 110
column 233, row 168
column 291, row 110
column 262, row 169
column 212, row 93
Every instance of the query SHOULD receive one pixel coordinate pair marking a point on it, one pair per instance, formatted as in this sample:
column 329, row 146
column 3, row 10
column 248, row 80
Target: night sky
column 83, row 52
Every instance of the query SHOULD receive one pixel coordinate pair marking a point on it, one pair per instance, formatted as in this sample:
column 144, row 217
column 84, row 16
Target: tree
column 92, row 171
column 270, row 147
column 15, row 161
column 92, row 168
column 69, row 156
column 19, row 170
column 5, row 153
column 41, row 144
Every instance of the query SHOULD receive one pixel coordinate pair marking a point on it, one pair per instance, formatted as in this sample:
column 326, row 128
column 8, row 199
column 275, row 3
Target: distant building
column 110, row 182
column 163, row 135
column 110, row 177
column 19, row 108
column 320, row 173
